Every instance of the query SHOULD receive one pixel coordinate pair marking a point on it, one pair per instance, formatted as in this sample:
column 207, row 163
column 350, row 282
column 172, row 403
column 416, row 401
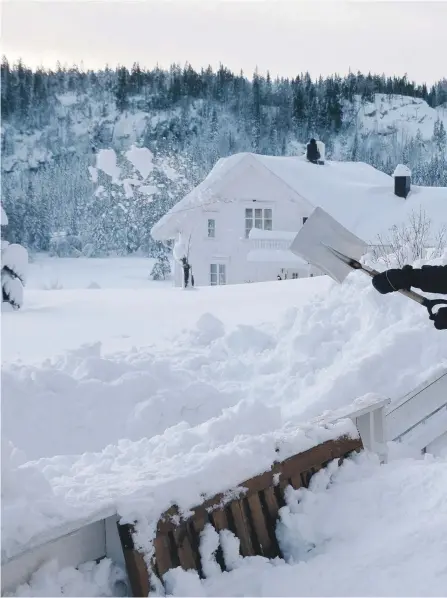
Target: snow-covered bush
column 162, row 268
column 414, row 240
column 14, row 269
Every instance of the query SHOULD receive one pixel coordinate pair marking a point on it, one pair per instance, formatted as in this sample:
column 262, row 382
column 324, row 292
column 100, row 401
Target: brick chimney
column 402, row 181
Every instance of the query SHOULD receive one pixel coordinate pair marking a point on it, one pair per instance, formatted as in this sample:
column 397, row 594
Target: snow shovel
column 326, row 244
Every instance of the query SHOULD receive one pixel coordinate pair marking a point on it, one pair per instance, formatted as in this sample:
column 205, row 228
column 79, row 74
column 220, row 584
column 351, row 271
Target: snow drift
column 141, row 429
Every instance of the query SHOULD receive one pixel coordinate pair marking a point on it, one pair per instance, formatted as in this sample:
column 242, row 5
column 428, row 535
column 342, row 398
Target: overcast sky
column 283, row 36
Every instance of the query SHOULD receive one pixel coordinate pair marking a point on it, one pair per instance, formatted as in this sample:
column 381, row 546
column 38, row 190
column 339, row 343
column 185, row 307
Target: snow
column 106, row 161
column 356, row 194
column 15, row 257
column 93, row 174
column 148, row 189
column 142, row 160
column 218, row 380
column 89, row 579
column 282, row 235
column 360, row 530
column 276, row 256
column 179, row 250
column 4, row 217
column 401, row 170
column 67, row 99
column 404, row 115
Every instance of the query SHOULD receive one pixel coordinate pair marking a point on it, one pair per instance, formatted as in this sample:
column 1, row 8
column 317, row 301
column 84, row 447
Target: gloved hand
column 440, row 318
column 393, row 280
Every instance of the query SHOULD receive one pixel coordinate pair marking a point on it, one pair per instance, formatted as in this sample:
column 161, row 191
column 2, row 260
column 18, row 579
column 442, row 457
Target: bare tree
column 411, row 241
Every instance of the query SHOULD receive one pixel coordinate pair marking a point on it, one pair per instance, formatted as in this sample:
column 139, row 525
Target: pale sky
column 283, row 36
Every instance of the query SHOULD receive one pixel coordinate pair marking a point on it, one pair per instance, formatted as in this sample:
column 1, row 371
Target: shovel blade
column 321, row 232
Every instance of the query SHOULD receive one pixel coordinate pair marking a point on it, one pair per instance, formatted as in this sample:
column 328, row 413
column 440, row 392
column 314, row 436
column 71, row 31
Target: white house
column 237, row 225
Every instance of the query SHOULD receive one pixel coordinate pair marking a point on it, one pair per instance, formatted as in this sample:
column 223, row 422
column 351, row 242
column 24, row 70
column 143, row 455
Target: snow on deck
column 185, row 384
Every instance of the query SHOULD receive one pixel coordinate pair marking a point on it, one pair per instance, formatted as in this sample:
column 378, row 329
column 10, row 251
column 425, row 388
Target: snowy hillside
column 402, row 116
column 188, row 120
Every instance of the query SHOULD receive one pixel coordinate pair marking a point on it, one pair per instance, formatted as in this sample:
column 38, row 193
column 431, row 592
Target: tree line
column 193, row 119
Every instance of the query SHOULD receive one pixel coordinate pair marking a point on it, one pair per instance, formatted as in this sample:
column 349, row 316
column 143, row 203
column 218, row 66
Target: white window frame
column 260, row 218
column 218, row 274
column 211, row 228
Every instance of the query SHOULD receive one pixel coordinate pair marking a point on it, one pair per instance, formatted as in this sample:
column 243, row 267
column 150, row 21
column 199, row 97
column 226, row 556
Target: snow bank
column 360, row 530
column 29, row 503
column 141, row 428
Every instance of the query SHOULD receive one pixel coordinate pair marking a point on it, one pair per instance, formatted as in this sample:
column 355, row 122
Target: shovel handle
column 429, row 304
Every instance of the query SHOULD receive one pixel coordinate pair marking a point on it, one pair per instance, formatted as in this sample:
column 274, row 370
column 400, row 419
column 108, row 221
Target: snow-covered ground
column 172, row 386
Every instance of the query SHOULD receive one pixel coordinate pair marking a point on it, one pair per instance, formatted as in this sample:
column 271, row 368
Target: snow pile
column 132, row 427
column 89, row 579
column 360, row 530
column 29, row 503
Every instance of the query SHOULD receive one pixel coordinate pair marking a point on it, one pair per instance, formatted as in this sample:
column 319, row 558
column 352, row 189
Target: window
column 218, row 274
column 304, row 219
column 211, row 228
column 258, row 218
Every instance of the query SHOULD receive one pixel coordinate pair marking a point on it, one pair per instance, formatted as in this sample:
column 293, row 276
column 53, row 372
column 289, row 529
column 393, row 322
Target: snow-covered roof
column 356, row 194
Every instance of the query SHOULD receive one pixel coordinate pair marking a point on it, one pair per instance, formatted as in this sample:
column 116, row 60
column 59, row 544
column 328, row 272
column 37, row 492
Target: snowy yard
column 121, row 394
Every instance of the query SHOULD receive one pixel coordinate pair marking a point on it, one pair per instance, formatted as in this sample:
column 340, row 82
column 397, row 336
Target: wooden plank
column 162, row 554
column 290, row 467
column 219, row 518
column 260, row 526
column 242, row 529
column 297, row 481
column 271, row 504
column 184, row 548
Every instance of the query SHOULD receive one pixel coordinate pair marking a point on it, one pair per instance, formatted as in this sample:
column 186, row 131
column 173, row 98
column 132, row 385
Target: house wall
column 251, row 187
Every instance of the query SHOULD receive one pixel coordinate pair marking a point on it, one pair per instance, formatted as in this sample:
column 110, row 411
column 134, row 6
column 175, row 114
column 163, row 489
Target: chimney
column 402, row 181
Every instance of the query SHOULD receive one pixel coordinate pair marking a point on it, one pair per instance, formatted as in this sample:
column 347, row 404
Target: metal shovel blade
column 318, row 235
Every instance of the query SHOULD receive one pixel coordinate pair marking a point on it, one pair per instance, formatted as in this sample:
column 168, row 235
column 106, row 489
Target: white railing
column 71, row 544
column 270, row 244
column 420, row 417
column 369, row 419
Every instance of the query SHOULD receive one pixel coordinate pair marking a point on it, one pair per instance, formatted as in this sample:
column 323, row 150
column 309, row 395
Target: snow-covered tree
column 162, row 268
column 14, row 269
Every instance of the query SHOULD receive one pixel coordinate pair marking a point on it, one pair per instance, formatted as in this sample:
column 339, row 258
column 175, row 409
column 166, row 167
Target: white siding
column 253, row 187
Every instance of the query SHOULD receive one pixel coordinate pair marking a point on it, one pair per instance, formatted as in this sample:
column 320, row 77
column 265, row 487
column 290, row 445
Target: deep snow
column 231, row 372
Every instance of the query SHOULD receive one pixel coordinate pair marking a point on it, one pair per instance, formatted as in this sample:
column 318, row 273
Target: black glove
column 393, row 280
column 440, row 319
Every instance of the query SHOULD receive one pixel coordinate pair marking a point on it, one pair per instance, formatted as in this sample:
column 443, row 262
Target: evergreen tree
column 162, row 267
